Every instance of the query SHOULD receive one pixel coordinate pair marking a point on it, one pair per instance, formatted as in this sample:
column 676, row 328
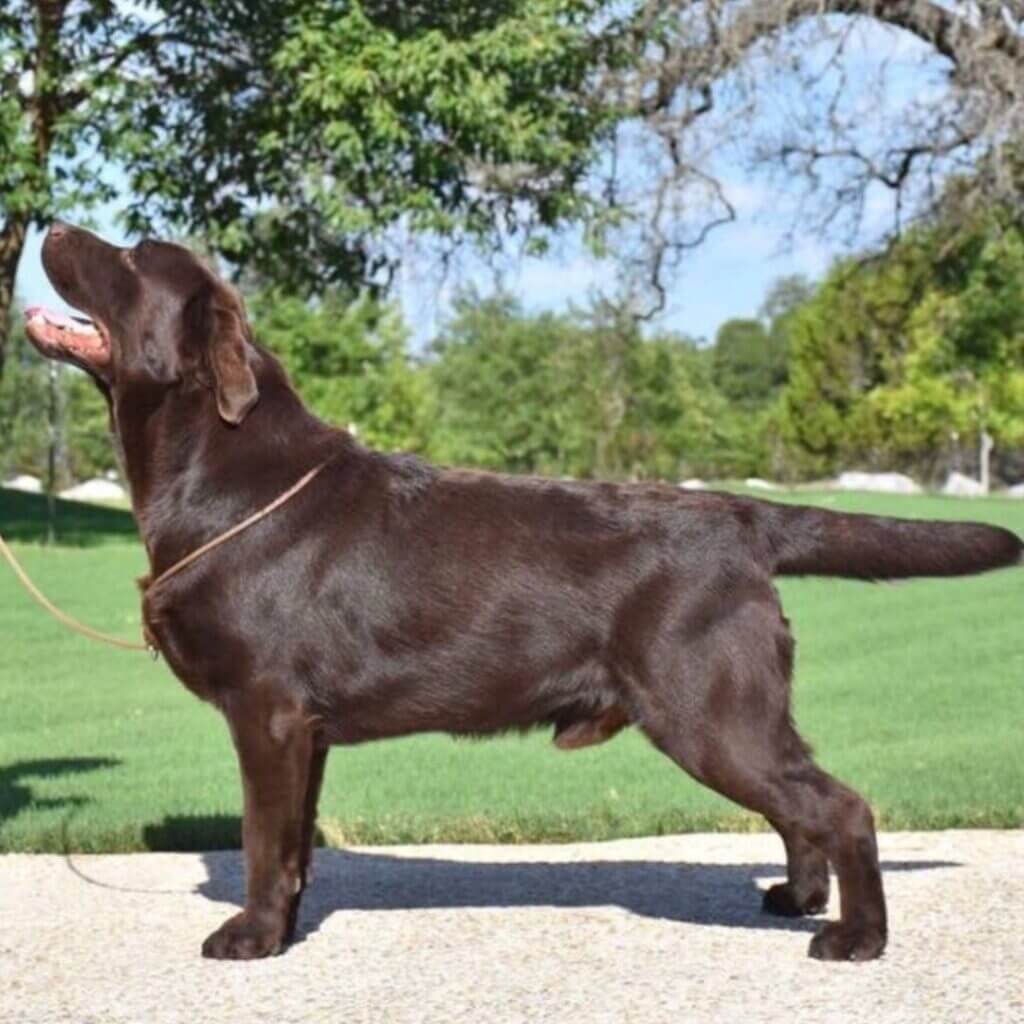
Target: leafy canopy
column 319, row 127
column 898, row 361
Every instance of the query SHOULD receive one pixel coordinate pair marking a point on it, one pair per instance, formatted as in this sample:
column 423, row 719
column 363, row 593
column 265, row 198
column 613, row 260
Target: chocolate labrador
column 387, row 596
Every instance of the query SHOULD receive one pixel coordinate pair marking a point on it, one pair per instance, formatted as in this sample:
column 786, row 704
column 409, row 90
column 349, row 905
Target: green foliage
column 293, row 135
column 503, row 388
column 63, row 97
column 582, row 393
column 345, row 118
column 784, row 297
column 648, row 403
column 24, row 402
column 897, row 361
column 349, row 360
column 86, row 424
column 579, row 393
column 749, row 362
column 749, row 357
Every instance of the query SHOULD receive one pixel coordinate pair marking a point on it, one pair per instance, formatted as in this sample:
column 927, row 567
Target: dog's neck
column 192, row 476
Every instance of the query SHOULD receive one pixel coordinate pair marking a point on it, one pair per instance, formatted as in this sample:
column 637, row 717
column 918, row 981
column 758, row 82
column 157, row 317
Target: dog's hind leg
column 729, row 726
column 275, row 744
column 805, row 890
column 314, row 780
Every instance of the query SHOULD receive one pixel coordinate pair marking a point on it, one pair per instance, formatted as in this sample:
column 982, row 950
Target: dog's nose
column 58, row 228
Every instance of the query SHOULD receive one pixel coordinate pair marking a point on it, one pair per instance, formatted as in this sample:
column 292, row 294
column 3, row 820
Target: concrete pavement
column 646, row 930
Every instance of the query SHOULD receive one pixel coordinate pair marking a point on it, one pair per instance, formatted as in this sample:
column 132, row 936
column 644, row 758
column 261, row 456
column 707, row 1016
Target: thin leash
column 60, row 616
column 129, row 645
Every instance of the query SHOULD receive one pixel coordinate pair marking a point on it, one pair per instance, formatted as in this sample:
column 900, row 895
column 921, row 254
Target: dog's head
column 154, row 314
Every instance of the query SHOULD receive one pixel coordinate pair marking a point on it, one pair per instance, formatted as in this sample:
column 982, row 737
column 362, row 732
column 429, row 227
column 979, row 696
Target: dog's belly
column 487, row 703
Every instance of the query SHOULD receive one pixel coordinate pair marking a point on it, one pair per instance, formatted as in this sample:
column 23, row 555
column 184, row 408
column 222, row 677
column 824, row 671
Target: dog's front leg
column 275, row 741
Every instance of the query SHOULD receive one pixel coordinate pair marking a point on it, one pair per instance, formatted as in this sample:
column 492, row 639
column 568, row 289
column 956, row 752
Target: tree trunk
column 985, row 458
column 53, row 453
column 12, row 242
column 42, row 107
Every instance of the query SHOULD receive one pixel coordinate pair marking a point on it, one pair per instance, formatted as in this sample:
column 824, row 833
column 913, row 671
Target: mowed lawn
column 913, row 693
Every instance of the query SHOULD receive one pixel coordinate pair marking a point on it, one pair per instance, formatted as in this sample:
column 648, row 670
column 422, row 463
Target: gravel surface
column 663, row 929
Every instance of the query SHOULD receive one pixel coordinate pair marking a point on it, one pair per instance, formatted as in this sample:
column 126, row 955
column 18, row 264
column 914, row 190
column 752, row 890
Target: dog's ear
column 215, row 319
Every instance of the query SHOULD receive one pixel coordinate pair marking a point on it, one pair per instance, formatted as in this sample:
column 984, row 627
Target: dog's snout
column 58, row 228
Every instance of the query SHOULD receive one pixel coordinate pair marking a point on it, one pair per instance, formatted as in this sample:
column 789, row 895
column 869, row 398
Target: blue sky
column 727, row 277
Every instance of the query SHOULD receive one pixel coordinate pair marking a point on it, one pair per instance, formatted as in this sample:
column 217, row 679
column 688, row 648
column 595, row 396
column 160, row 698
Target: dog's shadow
column 712, row 894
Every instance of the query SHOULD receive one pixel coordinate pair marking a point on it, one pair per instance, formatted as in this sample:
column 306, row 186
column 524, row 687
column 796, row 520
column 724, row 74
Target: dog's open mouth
column 58, row 334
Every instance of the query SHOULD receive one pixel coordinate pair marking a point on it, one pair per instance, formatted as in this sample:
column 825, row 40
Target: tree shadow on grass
column 25, row 518
column 697, row 893
column 16, row 796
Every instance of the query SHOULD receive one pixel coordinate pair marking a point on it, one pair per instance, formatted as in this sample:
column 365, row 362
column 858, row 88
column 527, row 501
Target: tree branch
column 698, row 59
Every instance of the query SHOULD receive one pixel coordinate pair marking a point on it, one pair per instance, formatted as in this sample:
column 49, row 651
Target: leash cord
column 60, row 616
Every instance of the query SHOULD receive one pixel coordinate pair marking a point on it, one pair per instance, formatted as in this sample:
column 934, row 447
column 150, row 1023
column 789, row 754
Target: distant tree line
column 897, row 360
column 583, row 392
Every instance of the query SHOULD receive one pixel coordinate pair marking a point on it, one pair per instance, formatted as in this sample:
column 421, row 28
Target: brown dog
column 389, row 597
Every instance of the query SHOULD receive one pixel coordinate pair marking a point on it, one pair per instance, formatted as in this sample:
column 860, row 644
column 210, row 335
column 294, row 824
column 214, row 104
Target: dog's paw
column 838, row 941
column 783, row 901
column 244, row 937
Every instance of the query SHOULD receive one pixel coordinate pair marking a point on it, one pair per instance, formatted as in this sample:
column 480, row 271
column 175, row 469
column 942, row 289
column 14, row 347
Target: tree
column 497, row 119
column 71, row 78
column 505, row 388
column 582, row 393
column 749, row 356
column 897, row 360
column 786, row 84
column 748, row 366
column 647, row 401
column 963, row 375
column 358, row 122
column 785, row 296
column 290, row 134
column 88, row 447
column 23, row 408
column 350, row 362
column 308, row 139
column 840, row 343
column 46, row 407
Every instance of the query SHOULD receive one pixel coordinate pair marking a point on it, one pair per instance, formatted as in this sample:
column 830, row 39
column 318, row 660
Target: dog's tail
column 804, row 541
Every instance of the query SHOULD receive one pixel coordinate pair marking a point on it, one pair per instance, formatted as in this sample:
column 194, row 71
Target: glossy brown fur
column 391, row 597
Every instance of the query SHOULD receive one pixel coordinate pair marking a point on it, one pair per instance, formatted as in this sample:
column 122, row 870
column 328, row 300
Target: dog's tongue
column 61, row 332
column 62, row 320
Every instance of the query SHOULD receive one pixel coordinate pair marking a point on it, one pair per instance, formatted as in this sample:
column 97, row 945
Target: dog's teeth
column 68, row 323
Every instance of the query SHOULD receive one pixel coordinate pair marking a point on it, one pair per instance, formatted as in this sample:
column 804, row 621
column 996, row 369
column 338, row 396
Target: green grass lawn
column 913, row 693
